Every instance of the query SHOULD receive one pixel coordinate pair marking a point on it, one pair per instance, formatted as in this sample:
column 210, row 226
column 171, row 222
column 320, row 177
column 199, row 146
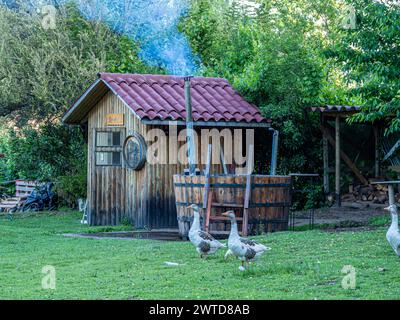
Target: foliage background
column 42, row 72
column 284, row 56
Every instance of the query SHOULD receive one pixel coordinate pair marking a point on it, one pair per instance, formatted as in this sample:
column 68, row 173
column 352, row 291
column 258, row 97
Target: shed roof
column 336, row 109
column 162, row 98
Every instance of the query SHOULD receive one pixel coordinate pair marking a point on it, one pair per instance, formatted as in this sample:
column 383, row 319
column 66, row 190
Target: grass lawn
column 301, row 265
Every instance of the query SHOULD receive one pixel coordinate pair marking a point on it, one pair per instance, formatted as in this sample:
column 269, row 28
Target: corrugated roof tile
column 163, row 97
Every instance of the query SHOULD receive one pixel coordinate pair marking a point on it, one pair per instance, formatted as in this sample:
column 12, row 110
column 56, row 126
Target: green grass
column 301, row 265
column 338, row 225
column 380, row 221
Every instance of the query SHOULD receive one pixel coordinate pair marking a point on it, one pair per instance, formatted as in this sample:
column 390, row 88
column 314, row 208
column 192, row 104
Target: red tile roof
column 161, row 97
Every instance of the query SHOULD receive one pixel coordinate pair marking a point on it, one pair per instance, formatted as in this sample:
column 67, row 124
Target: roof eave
column 224, row 124
column 68, row 115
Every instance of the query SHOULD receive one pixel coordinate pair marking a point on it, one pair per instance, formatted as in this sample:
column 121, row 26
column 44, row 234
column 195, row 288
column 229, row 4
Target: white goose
column 244, row 249
column 393, row 234
column 205, row 243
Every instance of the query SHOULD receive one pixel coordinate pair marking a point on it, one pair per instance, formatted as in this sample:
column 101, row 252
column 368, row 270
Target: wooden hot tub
column 270, row 199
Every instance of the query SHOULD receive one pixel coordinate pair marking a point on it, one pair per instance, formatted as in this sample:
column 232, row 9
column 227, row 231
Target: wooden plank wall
column 145, row 197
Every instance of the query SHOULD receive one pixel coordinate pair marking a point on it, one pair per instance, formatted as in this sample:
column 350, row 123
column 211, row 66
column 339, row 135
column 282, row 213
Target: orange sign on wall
column 115, row 120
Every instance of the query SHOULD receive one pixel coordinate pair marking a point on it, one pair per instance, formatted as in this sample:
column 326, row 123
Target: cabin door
column 107, row 176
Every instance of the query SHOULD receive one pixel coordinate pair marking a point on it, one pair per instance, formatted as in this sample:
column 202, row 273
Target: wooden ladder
column 208, row 203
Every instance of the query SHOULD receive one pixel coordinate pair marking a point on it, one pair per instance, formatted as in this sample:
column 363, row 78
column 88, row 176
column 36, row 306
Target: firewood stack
column 374, row 193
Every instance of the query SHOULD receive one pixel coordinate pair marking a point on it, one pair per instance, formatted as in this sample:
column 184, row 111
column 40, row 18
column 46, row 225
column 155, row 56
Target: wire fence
column 308, row 214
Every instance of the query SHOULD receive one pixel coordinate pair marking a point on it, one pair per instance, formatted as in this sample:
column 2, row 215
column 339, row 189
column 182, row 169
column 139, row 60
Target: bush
column 42, row 72
column 51, row 152
column 71, row 188
column 45, row 152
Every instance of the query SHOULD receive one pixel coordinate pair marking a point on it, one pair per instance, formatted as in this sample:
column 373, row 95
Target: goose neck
column 196, row 221
column 234, row 229
column 395, row 220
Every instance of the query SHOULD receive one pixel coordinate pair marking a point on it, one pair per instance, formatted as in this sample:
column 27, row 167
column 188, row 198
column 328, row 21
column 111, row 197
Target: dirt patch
column 351, row 229
column 355, row 214
column 170, row 235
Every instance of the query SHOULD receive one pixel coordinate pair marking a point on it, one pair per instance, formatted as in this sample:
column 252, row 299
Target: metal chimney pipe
column 188, row 100
column 274, row 156
column 190, row 126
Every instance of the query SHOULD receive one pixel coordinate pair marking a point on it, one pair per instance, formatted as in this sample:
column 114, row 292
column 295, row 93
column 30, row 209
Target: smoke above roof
column 151, row 23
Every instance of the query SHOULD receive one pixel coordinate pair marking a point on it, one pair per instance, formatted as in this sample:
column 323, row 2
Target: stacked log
column 373, row 193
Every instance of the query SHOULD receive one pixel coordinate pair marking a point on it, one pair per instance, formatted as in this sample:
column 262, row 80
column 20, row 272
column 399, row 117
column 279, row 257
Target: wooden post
column 337, row 159
column 207, row 204
column 250, row 167
column 326, row 164
column 345, row 157
column 222, row 157
column 208, row 211
column 207, row 176
column 391, row 194
column 325, row 159
column 377, row 164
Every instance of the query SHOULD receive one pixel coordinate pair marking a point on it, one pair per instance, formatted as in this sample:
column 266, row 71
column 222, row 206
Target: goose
column 244, row 249
column 393, row 234
column 204, row 242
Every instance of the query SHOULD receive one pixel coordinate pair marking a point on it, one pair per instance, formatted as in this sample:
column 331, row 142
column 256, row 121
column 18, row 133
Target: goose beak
column 225, row 214
column 387, row 209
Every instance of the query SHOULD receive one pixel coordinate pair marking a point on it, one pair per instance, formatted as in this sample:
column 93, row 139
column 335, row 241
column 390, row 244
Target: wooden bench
column 23, row 190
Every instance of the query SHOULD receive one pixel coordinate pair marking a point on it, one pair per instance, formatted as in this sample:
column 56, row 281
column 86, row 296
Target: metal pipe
column 190, row 127
column 188, row 99
column 275, row 145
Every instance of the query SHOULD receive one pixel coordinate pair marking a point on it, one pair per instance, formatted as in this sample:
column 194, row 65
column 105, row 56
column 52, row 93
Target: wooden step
column 7, row 202
column 219, row 218
column 10, row 202
column 8, row 206
column 227, row 205
column 222, row 234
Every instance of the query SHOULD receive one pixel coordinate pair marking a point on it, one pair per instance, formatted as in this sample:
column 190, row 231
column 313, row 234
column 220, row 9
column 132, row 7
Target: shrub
column 72, row 187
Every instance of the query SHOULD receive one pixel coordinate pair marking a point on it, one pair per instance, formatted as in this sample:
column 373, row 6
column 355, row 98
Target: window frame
column 110, row 149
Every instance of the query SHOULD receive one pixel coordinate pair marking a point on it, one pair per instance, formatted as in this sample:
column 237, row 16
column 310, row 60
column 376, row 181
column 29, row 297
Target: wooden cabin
column 118, row 111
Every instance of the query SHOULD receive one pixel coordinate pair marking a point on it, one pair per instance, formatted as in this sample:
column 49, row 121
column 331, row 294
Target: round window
column 135, row 150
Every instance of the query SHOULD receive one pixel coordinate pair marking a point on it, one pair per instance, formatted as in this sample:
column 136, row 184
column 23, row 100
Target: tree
column 369, row 57
column 42, row 71
column 275, row 57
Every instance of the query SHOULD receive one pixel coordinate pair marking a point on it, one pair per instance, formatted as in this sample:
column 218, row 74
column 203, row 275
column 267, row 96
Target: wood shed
column 121, row 112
